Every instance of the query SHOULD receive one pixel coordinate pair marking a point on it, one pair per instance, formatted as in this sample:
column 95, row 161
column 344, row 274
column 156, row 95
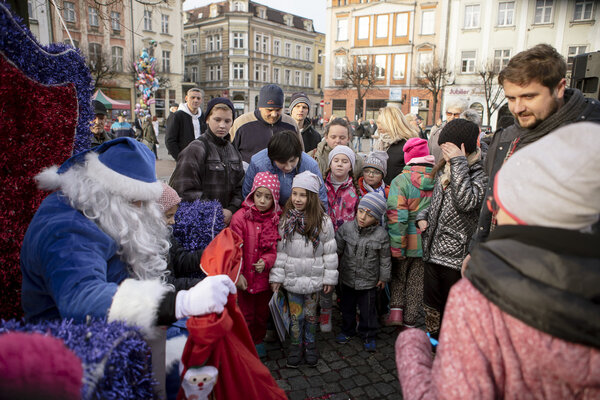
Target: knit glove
column 208, row 296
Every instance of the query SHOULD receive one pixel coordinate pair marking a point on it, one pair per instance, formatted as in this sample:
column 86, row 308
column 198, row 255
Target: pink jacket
column 485, row 353
column 342, row 203
column 259, row 233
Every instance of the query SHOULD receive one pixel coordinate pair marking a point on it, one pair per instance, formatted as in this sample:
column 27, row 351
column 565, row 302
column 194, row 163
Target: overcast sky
column 313, row 9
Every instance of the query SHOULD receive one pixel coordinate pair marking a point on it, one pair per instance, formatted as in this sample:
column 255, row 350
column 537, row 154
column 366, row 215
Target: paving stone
column 289, row 372
column 347, row 372
column 316, row 381
column 331, row 376
column 357, row 393
column 336, row 365
column 384, row 388
column 340, row 396
column 297, row 395
column 298, row 382
column 348, row 383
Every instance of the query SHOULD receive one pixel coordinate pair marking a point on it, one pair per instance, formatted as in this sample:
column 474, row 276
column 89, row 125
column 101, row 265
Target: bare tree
column 494, row 94
column 360, row 75
column 435, row 77
column 101, row 68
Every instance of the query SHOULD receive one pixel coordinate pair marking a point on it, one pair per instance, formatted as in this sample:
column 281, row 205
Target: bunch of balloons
column 146, row 82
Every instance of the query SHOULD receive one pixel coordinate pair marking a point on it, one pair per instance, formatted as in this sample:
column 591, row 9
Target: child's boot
column 395, row 317
column 294, row 356
column 311, row 355
column 325, row 320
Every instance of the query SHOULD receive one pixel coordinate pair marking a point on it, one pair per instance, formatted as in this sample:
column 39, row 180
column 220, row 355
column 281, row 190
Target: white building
column 484, row 32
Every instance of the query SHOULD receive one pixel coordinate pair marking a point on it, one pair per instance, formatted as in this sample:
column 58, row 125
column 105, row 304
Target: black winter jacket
column 310, row 136
column 180, row 132
column 395, row 162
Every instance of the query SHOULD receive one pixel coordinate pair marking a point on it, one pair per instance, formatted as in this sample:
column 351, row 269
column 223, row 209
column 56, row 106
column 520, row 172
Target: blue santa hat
column 123, row 166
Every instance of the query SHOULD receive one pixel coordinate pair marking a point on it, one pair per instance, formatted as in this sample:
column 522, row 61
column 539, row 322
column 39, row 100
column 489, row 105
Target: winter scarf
column 385, row 141
column 380, row 189
column 574, row 106
column 295, row 222
column 269, row 234
column 471, row 159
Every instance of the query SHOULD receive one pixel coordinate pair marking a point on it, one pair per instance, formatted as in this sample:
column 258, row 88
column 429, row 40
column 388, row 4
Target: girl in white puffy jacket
column 306, row 264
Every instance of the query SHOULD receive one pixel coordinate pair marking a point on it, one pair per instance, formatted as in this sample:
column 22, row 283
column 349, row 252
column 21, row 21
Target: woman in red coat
column 256, row 222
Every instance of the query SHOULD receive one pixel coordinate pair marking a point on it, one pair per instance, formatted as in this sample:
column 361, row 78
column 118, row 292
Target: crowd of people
column 492, row 240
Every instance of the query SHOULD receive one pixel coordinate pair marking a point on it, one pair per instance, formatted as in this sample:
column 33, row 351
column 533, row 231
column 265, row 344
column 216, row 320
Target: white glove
column 208, row 296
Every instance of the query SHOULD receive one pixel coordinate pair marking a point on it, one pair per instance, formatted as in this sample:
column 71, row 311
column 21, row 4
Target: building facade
column 233, row 48
column 484, row 35
column 394, row 38
column 113, row 35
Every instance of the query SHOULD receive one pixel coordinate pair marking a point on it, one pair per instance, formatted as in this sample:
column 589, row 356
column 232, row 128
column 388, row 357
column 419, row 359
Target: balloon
column 151, row 101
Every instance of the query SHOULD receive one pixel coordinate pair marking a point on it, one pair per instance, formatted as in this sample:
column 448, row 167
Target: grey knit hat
column 377, row 160
column 342, row 149
column 298, row 98
column 374, row 203
column 271, row 96
column 307, row 180
column 554, row 181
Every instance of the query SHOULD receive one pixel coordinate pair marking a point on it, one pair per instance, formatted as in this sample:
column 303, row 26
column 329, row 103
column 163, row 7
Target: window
column 265, row 73
column 147, row 20
column 218, row 72
column 217, row 42
column 214, row 73
column 194, row 46
column 164, row 23
column 93, row 16
column 194, row 74
column 382, row 26
column 239, row 6
column 583, row 10
column 31, row 9
column 471, row 16
column 297, row 78
column 298, row 52
column 574, row 51
column 94, row 53
column 115, row 21
column 210, row 43
column 319, row 81
column 307, row 79
column 338, row 105
column 276, row 47
column 428, row 22
column 238, row 71
column 166, row 61
column 257, row 38
column 363, row 28
column 501, row 58
column 320, row 56
column 308, row 54
column 238, row 40
column 380, row 62
column 361, row 62
column 342, row 29
column 265, row 44
column 69, row 11
column 399, row 66
column 117, row 58
column 543, row 11
column 401, row 25
column 210, row 76
column 340, row 67
column 468, row 62
column 261, row 13
column 424, row 61
column 186, row 77
column 185, row 46
column 288, row 50
column 257, row 69
column 506, row 13
column 288, row 77
column 276, row 75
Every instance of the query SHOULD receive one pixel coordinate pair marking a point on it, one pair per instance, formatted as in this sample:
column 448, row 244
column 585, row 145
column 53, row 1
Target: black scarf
column 546, row 277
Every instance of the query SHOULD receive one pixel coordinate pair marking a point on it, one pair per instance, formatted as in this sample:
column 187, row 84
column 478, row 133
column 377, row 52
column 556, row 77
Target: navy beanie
column 271, row 96
column 214, row 102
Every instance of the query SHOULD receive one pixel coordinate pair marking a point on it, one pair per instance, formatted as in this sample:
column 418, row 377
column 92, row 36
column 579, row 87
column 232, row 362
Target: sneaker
column 394, row 318
column 325, row 320
column 261, row 350
column 294, row 356
column 311, row 355
column 370, row 345
column 341, row 338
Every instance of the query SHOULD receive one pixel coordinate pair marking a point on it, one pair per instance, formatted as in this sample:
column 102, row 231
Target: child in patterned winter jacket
column 410, row 192
column 256, row 222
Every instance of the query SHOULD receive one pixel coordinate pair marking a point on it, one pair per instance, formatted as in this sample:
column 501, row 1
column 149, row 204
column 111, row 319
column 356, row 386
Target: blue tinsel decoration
column 55, row 64
column 116, row 359
column 197, row 223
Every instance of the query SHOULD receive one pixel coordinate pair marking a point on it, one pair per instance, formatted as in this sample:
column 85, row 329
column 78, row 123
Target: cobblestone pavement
column 344, row 371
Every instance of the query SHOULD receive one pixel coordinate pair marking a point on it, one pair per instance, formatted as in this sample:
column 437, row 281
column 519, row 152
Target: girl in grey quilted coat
column 451, row 219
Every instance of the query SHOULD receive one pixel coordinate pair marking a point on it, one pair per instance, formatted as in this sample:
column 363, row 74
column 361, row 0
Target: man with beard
column 97, row 246
column 535, row 86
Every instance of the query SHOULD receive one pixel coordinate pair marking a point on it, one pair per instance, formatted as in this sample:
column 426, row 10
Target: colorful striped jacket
column 410, row 192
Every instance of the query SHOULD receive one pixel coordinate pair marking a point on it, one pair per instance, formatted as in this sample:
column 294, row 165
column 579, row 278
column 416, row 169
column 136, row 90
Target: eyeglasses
column 455, row 115
column 372, row 172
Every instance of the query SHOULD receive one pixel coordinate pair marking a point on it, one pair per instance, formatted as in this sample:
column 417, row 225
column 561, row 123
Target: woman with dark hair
column 283, row 157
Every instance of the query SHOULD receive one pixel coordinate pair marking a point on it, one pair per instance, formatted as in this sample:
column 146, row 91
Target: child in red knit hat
column 256, row 222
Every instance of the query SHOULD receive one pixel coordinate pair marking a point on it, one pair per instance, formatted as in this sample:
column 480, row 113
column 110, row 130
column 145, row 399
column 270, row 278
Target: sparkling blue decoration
column 55, row 64
column 116, row 359
column 197, row 223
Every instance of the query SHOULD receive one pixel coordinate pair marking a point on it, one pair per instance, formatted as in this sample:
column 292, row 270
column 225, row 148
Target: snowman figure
column 198, row 382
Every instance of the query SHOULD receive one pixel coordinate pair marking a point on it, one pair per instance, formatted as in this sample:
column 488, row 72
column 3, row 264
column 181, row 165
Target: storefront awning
column 109, row 103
